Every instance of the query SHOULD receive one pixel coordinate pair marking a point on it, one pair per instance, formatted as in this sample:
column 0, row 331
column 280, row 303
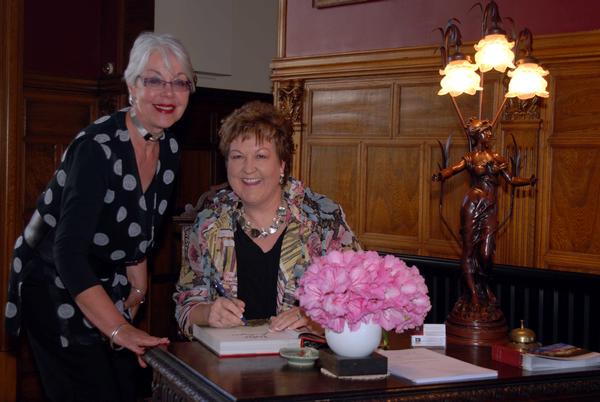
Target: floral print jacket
column 317, row 225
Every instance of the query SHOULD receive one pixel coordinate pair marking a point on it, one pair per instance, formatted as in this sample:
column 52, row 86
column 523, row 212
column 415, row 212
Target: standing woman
column 79, row 271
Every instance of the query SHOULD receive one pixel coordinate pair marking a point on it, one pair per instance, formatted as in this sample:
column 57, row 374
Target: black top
column 257, row 275
column 92, row 220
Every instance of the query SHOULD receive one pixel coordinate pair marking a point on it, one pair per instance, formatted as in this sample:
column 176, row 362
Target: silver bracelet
column 113, row 334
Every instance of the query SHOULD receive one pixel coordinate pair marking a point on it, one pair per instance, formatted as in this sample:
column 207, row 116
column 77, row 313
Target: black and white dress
column 92, row 220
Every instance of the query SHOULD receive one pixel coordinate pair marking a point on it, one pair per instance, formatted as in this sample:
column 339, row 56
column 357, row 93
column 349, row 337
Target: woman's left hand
column 135, row 299
column 293, row 318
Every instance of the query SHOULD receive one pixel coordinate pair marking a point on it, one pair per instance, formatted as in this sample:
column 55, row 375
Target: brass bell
column 523, row 338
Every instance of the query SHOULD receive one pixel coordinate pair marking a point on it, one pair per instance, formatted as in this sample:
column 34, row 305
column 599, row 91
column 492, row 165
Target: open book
column 424, row 366
column 245, row 341
column 559, row 355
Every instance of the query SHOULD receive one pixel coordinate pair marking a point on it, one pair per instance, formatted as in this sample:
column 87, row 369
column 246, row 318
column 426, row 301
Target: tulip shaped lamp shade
column 460, row 77
column 494, row 52
column 527, row 81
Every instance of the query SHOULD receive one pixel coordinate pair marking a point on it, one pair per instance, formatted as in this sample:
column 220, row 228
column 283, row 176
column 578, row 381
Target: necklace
column 261, row 233
column 143, row 132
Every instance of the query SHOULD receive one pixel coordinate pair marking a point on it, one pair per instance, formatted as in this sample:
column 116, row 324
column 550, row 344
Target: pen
column 223, row 293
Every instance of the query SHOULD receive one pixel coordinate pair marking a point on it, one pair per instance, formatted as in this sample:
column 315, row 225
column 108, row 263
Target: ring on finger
column 298, row 315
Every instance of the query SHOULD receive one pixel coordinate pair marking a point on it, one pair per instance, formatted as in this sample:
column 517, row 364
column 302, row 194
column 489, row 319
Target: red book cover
column 503, row 353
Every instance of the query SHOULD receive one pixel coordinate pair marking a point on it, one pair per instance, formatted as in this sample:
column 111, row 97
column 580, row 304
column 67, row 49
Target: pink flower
column 362, row 286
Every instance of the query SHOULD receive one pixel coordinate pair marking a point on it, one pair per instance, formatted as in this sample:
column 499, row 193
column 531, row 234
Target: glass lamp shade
column 460, row 77
column 494, row 52
column 527, row 81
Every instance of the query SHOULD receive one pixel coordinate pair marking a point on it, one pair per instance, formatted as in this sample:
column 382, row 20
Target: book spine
column 507, row 355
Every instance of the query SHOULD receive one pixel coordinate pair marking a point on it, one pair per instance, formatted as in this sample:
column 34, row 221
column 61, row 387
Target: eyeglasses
column 177, row 85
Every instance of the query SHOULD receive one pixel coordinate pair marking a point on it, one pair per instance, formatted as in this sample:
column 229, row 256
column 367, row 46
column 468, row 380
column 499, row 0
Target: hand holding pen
column 223, row 293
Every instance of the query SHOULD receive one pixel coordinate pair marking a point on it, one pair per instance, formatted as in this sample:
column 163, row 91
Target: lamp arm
column 462, row 121
column 480, row 94
column 499, row 112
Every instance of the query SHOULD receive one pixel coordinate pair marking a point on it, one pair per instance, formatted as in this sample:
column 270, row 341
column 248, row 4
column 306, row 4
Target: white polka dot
column 61, row 178
column 123, row 135
column 157, row 167
column 19, row 286
column 143, row 203
column 143, row 245
column 80, row 134
column 64, row 342
column 100, row 239
column 129, row 182
column 101, row 138
column 119, row 280
column 48, row 196
column 64, row 155
column 11, row 310
column 102, row 119
column 134, row 230
column 50, row 220
column 106, row 150
column 65, row 311
column 121, row 214
column 17, row 265
column 87, row 323
column 118, row 167
column 58, row 283
column 18, row 242
column 119, row 305
column 168, row 176
column 174, row 146
column 104, row 279
column 109, row 196
column 117, row 255
column 28, row 229
column 162, row 207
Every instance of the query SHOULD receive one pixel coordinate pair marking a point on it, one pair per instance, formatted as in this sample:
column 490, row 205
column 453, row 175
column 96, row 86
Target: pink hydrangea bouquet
column 361, row 287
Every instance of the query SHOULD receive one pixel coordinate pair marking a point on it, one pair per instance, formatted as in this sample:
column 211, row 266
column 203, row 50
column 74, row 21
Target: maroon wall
column 383, row 24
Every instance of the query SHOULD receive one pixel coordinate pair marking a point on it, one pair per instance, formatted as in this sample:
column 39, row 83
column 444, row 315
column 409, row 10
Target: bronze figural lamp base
column 476, row 325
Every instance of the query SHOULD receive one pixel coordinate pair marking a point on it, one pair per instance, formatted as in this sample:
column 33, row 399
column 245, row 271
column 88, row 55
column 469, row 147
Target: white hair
column 166, row 44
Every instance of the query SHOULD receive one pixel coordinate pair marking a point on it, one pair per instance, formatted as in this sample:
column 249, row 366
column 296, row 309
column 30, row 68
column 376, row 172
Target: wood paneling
column 11, row 149
column 392, row 199
column 575, row 206
column 333, row 170
column 364, row 111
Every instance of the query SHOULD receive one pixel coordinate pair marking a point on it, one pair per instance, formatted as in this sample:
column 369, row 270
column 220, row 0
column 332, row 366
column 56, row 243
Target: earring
column 131, row 100
column 281, row 179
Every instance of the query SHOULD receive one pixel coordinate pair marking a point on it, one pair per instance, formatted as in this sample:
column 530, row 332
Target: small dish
column 300, row 357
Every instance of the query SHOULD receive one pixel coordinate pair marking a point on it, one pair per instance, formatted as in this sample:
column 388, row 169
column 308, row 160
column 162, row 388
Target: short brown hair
column 265, row 122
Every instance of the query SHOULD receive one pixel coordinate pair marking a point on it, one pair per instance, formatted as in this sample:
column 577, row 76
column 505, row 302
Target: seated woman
column 257, row 238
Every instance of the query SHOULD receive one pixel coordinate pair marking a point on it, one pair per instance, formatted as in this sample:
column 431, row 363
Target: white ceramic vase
column 359, row 343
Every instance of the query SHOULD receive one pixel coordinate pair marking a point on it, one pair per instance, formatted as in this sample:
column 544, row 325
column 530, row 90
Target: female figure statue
column 479, row 216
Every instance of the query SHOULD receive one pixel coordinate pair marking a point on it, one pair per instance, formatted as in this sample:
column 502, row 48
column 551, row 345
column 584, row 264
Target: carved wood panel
column 386, row 102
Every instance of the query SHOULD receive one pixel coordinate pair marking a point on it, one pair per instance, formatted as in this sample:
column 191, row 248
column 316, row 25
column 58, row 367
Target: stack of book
column 430, row 335
column 555, row 356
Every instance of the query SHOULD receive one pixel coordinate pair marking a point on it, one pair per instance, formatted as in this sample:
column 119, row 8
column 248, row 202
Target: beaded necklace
column 261, row 233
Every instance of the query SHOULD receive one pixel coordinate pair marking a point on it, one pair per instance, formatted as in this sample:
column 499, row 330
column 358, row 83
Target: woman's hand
column 136, row 340
column 293, row 318
column 533, row 180
column 137, row 276
column 134, row 300
column 226, row 313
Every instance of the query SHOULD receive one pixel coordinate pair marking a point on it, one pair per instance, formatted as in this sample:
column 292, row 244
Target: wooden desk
column 187, row 371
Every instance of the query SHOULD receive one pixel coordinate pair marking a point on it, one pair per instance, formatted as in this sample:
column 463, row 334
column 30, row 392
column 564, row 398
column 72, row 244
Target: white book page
column 424, row 366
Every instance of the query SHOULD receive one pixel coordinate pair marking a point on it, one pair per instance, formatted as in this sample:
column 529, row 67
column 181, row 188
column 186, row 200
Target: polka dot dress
column 95, row 220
